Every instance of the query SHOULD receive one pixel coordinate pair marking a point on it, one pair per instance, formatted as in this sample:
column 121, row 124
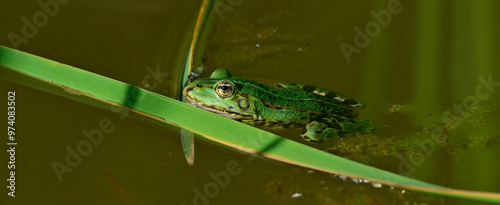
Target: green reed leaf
column 212, row 127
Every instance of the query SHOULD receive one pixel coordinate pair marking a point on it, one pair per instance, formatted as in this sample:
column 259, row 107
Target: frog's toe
column 304, row 134
column 317, row 132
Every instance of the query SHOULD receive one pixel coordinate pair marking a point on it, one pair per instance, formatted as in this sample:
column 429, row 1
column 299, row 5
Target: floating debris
column 297, row 195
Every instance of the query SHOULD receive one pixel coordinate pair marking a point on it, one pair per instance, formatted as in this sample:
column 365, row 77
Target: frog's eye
column 224, row 89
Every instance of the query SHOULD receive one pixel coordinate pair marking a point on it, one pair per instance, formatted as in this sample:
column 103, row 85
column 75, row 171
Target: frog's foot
column 318, row 132
column 321, row 131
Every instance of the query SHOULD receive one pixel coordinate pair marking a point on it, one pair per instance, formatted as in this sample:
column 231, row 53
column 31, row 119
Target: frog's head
column 220, row 94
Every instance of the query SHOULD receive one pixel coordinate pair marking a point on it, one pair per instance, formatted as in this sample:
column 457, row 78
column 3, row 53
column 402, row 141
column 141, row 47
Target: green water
column 429, row 57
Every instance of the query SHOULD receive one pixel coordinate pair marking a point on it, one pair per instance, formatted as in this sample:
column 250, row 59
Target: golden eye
column 224, row 89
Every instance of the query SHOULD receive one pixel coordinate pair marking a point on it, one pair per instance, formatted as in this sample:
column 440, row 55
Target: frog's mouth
column 225, row 113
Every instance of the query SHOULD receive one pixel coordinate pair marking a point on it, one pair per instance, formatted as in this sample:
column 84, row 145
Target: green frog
column 321, row 113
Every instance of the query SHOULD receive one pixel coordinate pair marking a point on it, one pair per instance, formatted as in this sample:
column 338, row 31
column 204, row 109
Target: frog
column 322, row 114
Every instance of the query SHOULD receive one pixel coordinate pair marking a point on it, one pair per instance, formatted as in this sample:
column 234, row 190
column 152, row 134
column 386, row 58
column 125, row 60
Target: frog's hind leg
column 318, row 132
column 323, row 130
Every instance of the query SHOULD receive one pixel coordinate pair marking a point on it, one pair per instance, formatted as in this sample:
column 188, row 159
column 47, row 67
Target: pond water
column 426, row 70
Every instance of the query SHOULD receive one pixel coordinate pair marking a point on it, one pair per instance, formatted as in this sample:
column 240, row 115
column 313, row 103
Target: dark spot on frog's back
column 331, row 94
column 309, row 88
column 351, row 102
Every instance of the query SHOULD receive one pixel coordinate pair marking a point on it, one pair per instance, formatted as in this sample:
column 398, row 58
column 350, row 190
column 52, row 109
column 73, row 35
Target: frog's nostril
column 199, row 85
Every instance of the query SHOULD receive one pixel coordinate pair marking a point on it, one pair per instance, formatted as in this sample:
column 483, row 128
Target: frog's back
column 299, row 97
